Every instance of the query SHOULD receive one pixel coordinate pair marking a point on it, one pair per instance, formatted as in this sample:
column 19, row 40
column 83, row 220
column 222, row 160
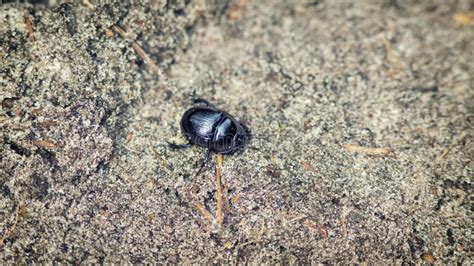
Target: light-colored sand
column 85, row 122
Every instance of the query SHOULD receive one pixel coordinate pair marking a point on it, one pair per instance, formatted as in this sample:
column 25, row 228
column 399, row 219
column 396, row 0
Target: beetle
column 206, row 126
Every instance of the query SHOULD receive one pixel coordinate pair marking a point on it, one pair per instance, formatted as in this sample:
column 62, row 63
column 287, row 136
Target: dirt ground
column 361, row 115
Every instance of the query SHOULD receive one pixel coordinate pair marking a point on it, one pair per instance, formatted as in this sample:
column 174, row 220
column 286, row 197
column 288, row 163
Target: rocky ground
column 361, row 115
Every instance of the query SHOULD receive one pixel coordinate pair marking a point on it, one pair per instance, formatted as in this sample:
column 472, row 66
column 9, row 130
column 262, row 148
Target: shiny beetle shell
column 205, row 126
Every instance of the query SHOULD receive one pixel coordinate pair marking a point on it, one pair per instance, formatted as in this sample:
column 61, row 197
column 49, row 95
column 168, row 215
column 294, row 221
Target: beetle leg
column 179, row 146
column 206, row 160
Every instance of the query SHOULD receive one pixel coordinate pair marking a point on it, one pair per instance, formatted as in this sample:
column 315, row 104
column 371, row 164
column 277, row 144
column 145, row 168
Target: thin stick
column 218, row 188
column 138, row 49
column 203, row 211
column 343, row 222
column 29, row 28
column 120, row 31
column 141, row 53
column 88, row 4
column 9, row 232
column 448, row 150
column 43, row 143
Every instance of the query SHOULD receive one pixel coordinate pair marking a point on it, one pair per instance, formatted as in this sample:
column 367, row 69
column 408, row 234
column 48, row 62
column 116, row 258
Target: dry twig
column 343, row 222
column 29, row 28
column 141, row 53
column 88, row 4
column 218, row 188
column 448, row 150
column 138, row 49
column 43, row 143
column 204, row 212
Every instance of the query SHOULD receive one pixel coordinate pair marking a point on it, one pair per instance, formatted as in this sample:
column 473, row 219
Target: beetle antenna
column 178, row 146
column 202, row 101
column 206, row 160
column 265, row 136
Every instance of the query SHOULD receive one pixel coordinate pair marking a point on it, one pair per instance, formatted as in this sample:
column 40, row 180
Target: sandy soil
column 361, row 115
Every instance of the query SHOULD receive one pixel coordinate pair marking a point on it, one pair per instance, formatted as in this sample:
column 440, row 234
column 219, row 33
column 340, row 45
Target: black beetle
column 205, row 126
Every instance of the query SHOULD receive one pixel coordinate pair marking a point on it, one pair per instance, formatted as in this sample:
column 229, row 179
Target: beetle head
column 242, row 137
